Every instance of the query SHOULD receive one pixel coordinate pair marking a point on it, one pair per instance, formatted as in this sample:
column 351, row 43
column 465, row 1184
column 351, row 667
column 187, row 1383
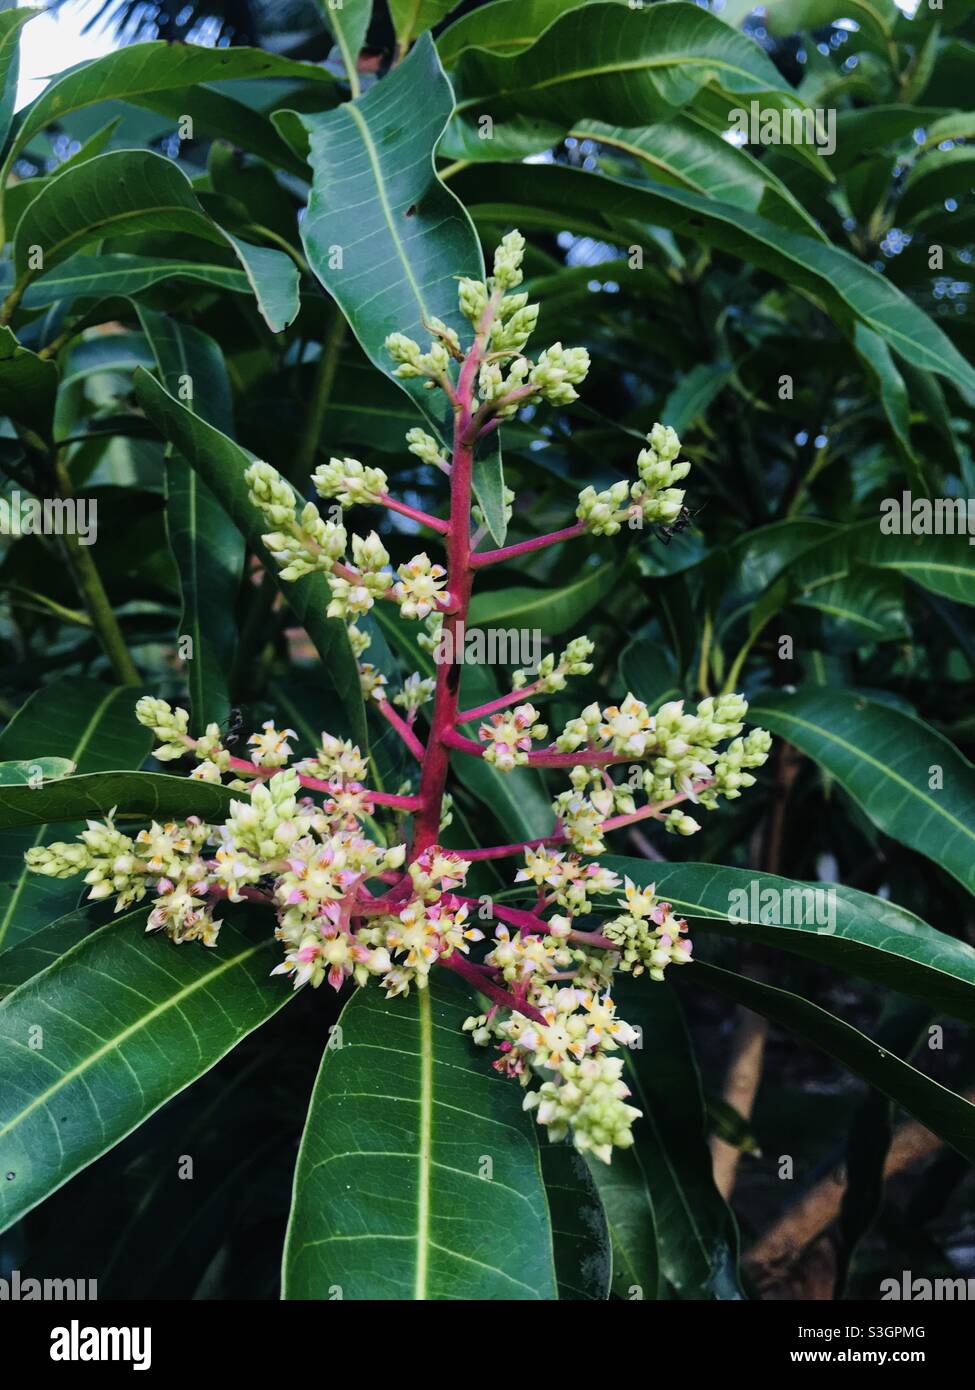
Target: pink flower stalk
column 301, row 839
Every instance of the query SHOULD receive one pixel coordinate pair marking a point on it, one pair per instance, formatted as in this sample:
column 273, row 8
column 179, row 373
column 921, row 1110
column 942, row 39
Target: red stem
column 433, row 778
column 315, row 784
column 503, row 851
column 514, row 916
column 558, row 836
column 405, row 732
column 424, row 518
column 545, row 757
column 502, row 702
column 511, row 552
column 470, row 972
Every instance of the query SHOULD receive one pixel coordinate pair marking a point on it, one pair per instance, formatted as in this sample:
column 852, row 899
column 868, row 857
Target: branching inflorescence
column 390, row 903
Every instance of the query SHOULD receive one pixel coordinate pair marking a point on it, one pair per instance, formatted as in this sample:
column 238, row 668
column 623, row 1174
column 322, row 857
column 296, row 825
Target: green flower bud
column 349, row 481
column 426, row 448
column 507, row 261
column 472, row 296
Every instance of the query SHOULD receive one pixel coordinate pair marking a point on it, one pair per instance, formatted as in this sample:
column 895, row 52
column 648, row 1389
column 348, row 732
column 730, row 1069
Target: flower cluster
column 652, row 499
column 507, row 321
column 509, row 736
column 358, row 881
column 304, row 543
column 647, row 935
column 671, row 756
column 552, row 673
column 567, row 1045
column 681, row 756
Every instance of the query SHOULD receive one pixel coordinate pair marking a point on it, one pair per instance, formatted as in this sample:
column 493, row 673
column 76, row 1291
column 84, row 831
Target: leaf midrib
column 373, row 157
column 862, row 754
column 608, row 69
column 173, row 1001
column 127, row 216
column 425, row 1150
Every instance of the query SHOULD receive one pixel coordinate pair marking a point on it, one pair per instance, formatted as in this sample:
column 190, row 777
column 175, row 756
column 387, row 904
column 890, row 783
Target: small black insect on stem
column 684, row 518
column 235, row 726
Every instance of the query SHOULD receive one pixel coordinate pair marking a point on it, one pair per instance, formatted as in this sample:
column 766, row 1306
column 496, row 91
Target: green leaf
column 386, row 238
column 729, row 1125
column 663, row 1190
column 392, row 1199
column 11, row 22
column 411, row 17
column 875, row 18
column 957, row 125
column 273, row 277
column 43, row 947
column 649, row 671
column 886, row 760
column 847, row 930
column 915, row 78
column 132, row 72
column 19, row 196
column 90, row 725
column 580, row 1235
column 693, row 394
column 553, row 610
column 853, row 575
column 94, row 794
column 873, row 128
column 506, row 27
column 117, row 273
column 944, row 564
column 558, row 198
column 624, row 1194
column 14, row 774
column 758, row 559
column 348, row 23
column 128, row 1020
column 889, row 385
column 221, row 464
column 938, row 1109
column 684, row 153
column 127, row 192
column 861, row 607
column 207, row 547
column 28, row 385
column 119, row 193
column 900, row 1029
column 940, row 174
column 627, row 67
column 217, row 115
